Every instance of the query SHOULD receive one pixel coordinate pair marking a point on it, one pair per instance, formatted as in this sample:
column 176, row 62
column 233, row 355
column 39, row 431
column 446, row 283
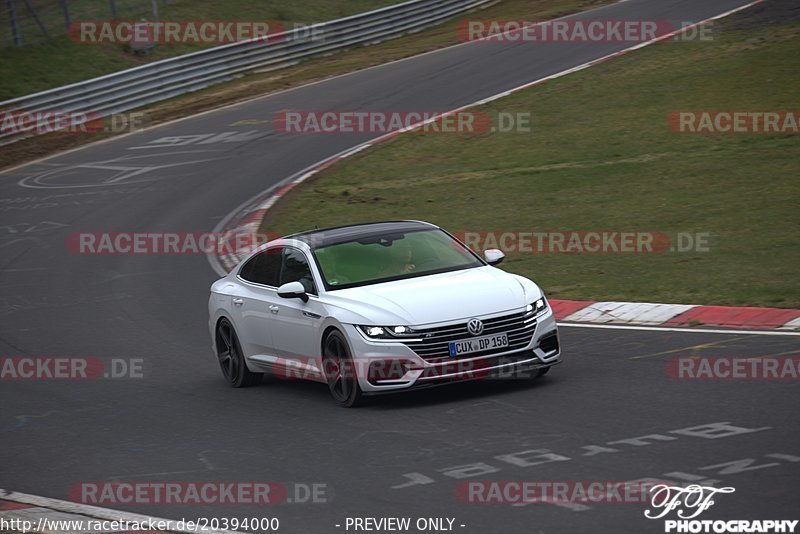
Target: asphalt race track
column 401, row 455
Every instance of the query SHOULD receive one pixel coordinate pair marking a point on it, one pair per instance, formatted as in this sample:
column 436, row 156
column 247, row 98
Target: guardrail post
column 65, row 6
column 12, row 18
column 35, row 16
column 113, row 5
column 154, row 3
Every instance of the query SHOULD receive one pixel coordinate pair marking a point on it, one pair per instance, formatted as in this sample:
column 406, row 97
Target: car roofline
column 315, row 230
column 300, row 243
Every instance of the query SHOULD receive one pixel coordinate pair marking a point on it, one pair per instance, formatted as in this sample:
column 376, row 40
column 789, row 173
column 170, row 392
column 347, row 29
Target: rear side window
column 264, row 268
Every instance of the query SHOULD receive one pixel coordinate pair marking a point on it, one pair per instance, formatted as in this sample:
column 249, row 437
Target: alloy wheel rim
column 226, row 352
column 337, row 369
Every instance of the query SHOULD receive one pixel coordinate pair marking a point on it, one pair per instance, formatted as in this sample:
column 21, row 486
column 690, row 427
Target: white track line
column 682, row 330
column 93, row 512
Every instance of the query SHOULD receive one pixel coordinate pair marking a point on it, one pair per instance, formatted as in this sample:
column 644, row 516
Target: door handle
column 237, row 301
column 274, row 309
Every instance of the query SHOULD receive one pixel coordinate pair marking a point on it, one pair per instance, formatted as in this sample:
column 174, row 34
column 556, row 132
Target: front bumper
column 541, row 352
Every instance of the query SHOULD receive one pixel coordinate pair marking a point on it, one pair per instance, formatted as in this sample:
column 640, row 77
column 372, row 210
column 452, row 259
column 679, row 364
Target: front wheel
column 340, row 372
column 231, row 359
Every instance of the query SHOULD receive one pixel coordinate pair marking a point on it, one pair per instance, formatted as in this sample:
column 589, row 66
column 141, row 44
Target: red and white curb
column 246, row 220
column 42, row 514
column 675, row 315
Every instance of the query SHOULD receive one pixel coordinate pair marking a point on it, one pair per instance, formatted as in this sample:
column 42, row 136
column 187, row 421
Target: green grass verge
column 601, row 157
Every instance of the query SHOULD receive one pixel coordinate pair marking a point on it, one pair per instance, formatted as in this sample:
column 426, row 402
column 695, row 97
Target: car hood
column 434, row 299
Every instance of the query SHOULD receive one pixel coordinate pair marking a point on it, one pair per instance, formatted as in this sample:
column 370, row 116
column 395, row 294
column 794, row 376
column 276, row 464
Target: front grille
column 435, row 345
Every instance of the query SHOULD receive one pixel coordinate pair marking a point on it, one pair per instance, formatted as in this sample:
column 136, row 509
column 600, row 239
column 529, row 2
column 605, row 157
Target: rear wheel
column 231, row 359
column 340, row 372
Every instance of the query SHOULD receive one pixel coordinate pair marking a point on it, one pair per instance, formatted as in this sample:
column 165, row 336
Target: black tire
column 340, row 372
column 231, row 359
column 542, row 372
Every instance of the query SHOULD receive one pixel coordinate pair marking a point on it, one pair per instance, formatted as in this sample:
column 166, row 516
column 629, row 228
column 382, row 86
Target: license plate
column 478, row 344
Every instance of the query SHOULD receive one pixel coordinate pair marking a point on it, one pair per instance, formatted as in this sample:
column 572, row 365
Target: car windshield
column 389, row 257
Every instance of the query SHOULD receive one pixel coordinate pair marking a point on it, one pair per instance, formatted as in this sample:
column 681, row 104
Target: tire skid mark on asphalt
column 690, row 348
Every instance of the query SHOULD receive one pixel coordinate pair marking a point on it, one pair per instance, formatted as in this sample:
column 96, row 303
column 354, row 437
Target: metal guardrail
column 132, row 88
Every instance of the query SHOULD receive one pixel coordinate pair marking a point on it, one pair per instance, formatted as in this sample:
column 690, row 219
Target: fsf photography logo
column 689, row 502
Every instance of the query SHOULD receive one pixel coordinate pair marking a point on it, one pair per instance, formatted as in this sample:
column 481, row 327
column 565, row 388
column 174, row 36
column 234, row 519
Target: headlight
column 386, row 332
column 538, row 307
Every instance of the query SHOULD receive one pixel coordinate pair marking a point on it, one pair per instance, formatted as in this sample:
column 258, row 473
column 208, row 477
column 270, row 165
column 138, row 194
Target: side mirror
column 293, row 290
column 493, row 256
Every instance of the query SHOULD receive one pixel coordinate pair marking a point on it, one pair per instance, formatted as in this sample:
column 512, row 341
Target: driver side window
column 294, row 268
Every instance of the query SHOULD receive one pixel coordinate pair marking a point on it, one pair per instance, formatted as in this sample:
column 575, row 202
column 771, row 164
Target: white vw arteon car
column 376, row 308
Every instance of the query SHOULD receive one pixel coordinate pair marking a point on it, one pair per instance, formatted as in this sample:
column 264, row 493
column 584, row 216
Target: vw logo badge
column 475, row 327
